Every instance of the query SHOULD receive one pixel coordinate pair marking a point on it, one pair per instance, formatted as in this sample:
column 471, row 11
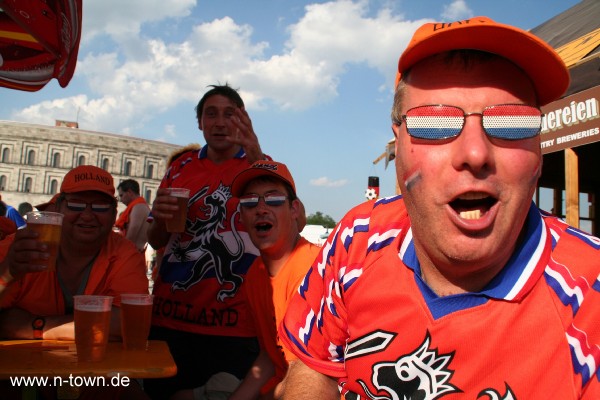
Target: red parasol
column 39, row 40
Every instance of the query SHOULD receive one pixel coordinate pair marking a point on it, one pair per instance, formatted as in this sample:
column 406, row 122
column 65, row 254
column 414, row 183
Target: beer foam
column 136, row 299
column 92, row 307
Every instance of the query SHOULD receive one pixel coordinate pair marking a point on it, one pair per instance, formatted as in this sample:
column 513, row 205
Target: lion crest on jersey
column 422, row 375
column 216, row 254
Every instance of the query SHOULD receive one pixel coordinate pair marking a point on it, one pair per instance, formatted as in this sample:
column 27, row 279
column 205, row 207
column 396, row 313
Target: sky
column 316, row 77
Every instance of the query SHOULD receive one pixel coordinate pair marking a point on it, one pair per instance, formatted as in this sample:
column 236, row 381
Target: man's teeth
column 473, row 214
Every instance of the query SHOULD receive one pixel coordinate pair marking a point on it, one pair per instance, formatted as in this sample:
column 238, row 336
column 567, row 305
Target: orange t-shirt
column 123, row 221
column 118, row 268
column 268, row 298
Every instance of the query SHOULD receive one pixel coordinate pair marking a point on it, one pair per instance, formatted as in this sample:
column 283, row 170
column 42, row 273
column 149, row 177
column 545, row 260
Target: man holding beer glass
column 91, row 259
column 200, row 307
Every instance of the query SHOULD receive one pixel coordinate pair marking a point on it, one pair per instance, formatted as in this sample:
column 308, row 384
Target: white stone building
column 35, row 158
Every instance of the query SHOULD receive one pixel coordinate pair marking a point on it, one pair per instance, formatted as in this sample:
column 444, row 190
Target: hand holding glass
column 177, row 223
column 48, row 226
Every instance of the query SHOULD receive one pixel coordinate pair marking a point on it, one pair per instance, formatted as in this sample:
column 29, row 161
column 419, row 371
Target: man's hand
column 245, row 136
column 25, row 254
column 164, row 206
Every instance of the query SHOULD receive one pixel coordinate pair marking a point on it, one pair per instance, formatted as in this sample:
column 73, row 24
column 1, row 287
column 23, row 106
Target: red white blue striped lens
column 512, row 121
column 504, row 121
column 77, row 206
column 271, row 199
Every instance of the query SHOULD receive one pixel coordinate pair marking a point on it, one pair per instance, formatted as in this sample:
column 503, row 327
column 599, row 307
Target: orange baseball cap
column 261, row 168
column 535, row 57
column 88, row 177
column 51, row 202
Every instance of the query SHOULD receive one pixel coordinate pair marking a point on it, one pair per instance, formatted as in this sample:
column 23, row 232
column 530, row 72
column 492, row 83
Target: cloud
column 46, row 112
column 457, row 10
column 119, row 19
column 326, row 182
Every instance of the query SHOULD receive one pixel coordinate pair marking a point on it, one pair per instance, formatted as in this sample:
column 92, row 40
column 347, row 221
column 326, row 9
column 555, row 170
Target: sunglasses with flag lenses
column 80, row 206
column 503, row 121
column 271, row 199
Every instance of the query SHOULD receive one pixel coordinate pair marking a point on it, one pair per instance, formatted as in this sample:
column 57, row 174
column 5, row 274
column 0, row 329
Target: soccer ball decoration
column 372, row 191
column 371, row 194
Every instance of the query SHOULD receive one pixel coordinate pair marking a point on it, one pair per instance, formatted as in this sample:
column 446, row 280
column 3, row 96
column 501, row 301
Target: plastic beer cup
column 136, row 315
column 48, row 225
column 177, row 223
column 92, row 326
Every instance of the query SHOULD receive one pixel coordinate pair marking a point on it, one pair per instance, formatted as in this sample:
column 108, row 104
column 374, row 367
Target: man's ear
column 299, row 213
column 396, row 130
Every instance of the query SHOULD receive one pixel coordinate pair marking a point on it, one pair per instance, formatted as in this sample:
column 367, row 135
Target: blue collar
column 203, row 153
column 505, row 286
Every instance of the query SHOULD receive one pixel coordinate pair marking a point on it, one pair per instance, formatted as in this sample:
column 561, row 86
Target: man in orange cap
column 92, row 259
column 273, row 216
column 461, row 287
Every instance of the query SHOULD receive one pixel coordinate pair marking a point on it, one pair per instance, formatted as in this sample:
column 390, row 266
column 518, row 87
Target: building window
column 148, row 196
column 27, row 185
column 105, row 164
column 5, row 155
column 81, row 160
column 31, row 157
column 127, row 171
column 56, row 160
column 53, row 186
column 150, row 171
column 2, row 182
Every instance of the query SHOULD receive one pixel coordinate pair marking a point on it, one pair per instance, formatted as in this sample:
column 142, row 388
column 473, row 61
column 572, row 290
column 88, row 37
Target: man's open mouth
column 263, row 226
column 473, row 205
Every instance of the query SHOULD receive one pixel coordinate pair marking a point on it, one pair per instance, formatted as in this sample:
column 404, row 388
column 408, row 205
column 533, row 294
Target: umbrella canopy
column 39, row 40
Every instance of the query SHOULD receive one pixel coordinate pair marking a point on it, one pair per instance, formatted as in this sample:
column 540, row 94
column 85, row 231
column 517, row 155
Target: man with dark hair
column 132, row 223
column 218, row 90
column 24, row 208
column 200, row 305
column 461, row 288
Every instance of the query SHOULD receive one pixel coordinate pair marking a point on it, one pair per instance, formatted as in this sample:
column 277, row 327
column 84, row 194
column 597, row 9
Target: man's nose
column 473, row 149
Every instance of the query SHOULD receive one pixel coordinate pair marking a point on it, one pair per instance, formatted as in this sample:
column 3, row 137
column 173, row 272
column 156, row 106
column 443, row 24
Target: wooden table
column 52, row 358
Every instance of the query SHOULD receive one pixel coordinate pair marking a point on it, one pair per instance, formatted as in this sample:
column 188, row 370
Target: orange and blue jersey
column 199, row 285
column 364, row 316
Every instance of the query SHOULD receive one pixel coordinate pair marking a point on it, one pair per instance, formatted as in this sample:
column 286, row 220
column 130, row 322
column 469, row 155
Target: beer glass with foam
column 48, row 225
column 136, row 315
column 177, row 223
column 92, row 326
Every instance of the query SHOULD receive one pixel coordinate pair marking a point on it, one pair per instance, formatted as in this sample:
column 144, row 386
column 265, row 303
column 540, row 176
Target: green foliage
column 319, row 219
